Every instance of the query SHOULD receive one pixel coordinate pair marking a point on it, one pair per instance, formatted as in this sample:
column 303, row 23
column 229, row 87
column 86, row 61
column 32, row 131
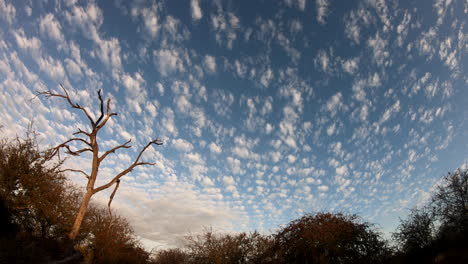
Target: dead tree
column 89, row 141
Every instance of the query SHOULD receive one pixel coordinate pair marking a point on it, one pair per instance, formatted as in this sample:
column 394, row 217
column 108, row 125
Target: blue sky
column 268, row 109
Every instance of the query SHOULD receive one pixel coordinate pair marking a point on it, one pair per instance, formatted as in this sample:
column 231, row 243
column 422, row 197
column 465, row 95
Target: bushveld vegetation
column 38, row 206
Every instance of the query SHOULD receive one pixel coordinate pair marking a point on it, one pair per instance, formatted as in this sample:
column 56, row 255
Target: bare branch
column 76, row 152
column 105, row 120
column 131, row 167
column 56, row 150
column 108, row 106
column 77, row 139
column 125, row 145
column 82, row 132
column 156, row 141
column 79, row 171
column 112, row 197
column 101, row 107
column 70, row 102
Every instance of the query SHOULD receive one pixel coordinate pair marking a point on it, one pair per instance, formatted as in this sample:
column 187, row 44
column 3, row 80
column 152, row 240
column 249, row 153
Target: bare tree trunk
column 81, row 214
column 91, row 145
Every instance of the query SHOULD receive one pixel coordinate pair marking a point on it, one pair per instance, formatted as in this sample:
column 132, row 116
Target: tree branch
column 112, row 197
column 108, row 115
column 76, row 152
column 101, row 106
column 125, row 145
column 73, row 170
column 82, row 132
column 105, row 120
column 56, row 150
column 70, row 102
column 131, row 167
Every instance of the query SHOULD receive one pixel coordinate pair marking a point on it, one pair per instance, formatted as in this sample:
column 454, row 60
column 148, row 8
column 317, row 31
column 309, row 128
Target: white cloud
column 228, row 180
column 351, row 66
column 343, row 170
column 323, row 61
column 175, row 210
column 268, row 128
column 215, row 148
column 210, row 63
column 150, row 20
column 7, row 11
column 182, row 145
column 301, row 4
column 32, row 45
column 195, row 158
column 266, row 77
column 395, row 108
column 73, row 68
column 322, row 10
column 52, row 68
column 364, row 113
column 222, row 101
column 134, row 84
column 28, row 10
column 160, row 88
column 379, row 46
column 235, row 165
column 167, row 121
column 168, row 61
column 335, row 103
column 323, row 188
column 331, row 129
column 50, row 27
column 196, row 10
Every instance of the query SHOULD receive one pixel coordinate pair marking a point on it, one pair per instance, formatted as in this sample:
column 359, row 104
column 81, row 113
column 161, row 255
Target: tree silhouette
column 89, row 141
column 329, row 238
column 450, row 202
column 416, row 232
column 37, row 205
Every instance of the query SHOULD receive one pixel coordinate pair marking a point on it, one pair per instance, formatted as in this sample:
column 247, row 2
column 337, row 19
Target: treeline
column 38, row 205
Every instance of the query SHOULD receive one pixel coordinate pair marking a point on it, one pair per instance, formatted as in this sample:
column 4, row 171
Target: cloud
column 225, row 25
column 378, row 46
column 151, row 20
column 342, row 170
column 266, row 77
column 168, row 61
column 8, row 12
column 395, row 108
column 182, row 145
column 175, row 210
column 222, row 102
column 50, row 27
column 322, row 10
column 168, row 121
column 210, row 63
column 32, row 45
column 214, row 148
column 323, row 188
column 351, row 66
column 195, row 158
column 196, row 10
column 323, row 61
column 334, row 104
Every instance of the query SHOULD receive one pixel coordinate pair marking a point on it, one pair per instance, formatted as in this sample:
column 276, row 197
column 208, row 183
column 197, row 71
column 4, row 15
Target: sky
column 267, row 109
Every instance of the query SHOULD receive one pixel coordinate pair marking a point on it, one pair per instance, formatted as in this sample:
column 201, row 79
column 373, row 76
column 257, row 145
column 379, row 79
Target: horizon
column 267, row 110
